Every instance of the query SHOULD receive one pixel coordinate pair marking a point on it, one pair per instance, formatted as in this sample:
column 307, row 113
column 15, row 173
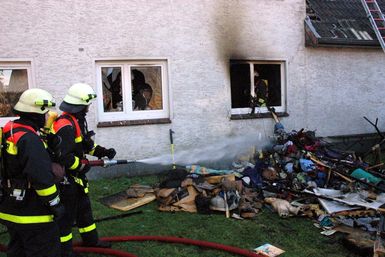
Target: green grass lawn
column 296, row 235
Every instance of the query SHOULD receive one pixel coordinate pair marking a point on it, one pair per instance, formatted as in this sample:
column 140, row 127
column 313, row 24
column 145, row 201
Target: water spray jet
column 224, row 150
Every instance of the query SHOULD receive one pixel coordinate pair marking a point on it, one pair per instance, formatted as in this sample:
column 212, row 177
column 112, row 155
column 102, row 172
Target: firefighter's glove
column 110, row 153
column 84, row 166
column 57, row 210
column 101, row 152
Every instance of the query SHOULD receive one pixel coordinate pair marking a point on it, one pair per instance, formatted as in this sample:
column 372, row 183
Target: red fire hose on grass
column 104, row 251
column 167, row 239
column 170, row 239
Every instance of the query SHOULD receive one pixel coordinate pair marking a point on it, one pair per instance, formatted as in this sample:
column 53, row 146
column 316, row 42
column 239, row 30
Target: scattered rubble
column 299, row 174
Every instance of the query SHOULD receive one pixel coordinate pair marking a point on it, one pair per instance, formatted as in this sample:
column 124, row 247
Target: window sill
column 122, row 123
column 257, row 116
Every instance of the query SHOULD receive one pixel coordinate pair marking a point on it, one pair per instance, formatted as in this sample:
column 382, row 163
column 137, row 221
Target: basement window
column 15, row 78
column 257, row 85
column 132, row 91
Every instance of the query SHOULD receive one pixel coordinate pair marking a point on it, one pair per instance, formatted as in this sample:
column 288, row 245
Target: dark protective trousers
column 37, row 242
column 78, row 212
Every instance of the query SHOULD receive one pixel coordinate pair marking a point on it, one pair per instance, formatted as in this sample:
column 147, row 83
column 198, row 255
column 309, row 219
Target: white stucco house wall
column 185, row 49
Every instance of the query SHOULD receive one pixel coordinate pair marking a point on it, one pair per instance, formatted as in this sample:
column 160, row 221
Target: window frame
column 128, row 116
column 284, row 79
column 13, row 64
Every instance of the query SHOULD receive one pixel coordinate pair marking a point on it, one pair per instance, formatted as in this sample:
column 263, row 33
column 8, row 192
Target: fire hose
column 167, row 239
column 170, row 239
column 107, row 163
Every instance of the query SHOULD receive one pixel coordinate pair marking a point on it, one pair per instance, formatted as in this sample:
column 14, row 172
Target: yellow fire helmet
column 35, row 100
column 78, row 96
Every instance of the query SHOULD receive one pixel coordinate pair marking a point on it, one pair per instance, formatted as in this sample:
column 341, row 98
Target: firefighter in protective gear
column 261, row 90
column 31, row 201
column 71, row 126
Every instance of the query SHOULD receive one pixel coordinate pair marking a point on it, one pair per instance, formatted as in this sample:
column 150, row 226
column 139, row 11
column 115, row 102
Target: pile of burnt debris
column 299, row 174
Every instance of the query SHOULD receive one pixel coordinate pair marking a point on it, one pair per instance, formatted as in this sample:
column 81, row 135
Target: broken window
column 146, row 88
column 132, row 90
column 14, row 80
column 256, row 85
column 112, row 89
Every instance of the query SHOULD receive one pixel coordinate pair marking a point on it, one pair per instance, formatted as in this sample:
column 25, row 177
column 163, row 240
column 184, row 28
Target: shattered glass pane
column 146, row 88
column 112, row 89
